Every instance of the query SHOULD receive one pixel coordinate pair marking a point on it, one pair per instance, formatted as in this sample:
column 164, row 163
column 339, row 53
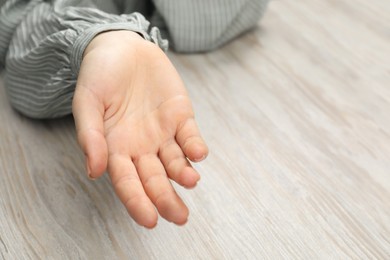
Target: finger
column 159, row 189
column 177, row 166
column 88, row 114
column 190, row 141
column 130, row 191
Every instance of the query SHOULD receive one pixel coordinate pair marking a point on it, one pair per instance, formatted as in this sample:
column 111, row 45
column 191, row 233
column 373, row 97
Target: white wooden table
column 297, row 117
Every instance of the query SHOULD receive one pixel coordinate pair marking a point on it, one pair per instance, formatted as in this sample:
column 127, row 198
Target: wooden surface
column 297, row 116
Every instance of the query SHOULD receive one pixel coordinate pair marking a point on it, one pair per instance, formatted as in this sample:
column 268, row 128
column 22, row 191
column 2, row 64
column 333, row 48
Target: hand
column 134, row 118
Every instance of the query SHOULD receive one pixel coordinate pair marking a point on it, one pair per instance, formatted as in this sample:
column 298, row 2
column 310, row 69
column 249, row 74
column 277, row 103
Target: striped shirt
column 42, row 41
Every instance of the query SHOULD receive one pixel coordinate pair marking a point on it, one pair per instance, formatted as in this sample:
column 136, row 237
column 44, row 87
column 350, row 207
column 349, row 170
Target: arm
column 197, row 26
column 132, row 113
column 41, row 47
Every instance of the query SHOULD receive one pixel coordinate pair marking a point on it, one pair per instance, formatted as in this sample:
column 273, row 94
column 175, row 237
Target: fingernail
column 89, row 170
column 200, row 159
column 182, row 224
column 91, row 178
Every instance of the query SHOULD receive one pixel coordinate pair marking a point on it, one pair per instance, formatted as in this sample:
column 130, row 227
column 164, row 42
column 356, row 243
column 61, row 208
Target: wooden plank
column 296, row 114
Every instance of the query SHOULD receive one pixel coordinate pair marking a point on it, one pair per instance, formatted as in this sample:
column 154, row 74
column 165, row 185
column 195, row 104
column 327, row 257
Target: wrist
column 114, row 39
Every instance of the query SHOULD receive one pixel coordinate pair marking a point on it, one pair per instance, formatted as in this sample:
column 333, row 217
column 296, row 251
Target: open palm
column 134, row 118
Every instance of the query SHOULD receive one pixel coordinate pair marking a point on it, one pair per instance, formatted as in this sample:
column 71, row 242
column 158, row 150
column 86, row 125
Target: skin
column 134, row 119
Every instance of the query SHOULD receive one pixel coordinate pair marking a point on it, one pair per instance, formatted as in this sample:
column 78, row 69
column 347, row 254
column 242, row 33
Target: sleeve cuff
column 87, row 35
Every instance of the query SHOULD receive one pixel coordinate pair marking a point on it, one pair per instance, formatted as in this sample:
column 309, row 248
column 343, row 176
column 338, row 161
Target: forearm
column 11, row 15
column 45, row 50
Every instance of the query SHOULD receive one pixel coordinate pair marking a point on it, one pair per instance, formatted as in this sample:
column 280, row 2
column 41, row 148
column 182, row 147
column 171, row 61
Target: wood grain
column 296, row 114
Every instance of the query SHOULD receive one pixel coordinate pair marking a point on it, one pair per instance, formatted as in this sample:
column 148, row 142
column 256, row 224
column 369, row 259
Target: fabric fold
column 45, row 52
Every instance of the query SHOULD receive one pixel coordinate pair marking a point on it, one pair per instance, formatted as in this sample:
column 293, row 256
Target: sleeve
column 203, row 25
column 41, row 48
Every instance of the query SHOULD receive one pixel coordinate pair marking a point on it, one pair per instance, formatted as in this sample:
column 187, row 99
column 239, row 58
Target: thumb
column 88, row 112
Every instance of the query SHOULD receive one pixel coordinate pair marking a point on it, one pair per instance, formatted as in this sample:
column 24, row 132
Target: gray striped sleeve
column 203, row 25
column 11, row 13
column 44, row 42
